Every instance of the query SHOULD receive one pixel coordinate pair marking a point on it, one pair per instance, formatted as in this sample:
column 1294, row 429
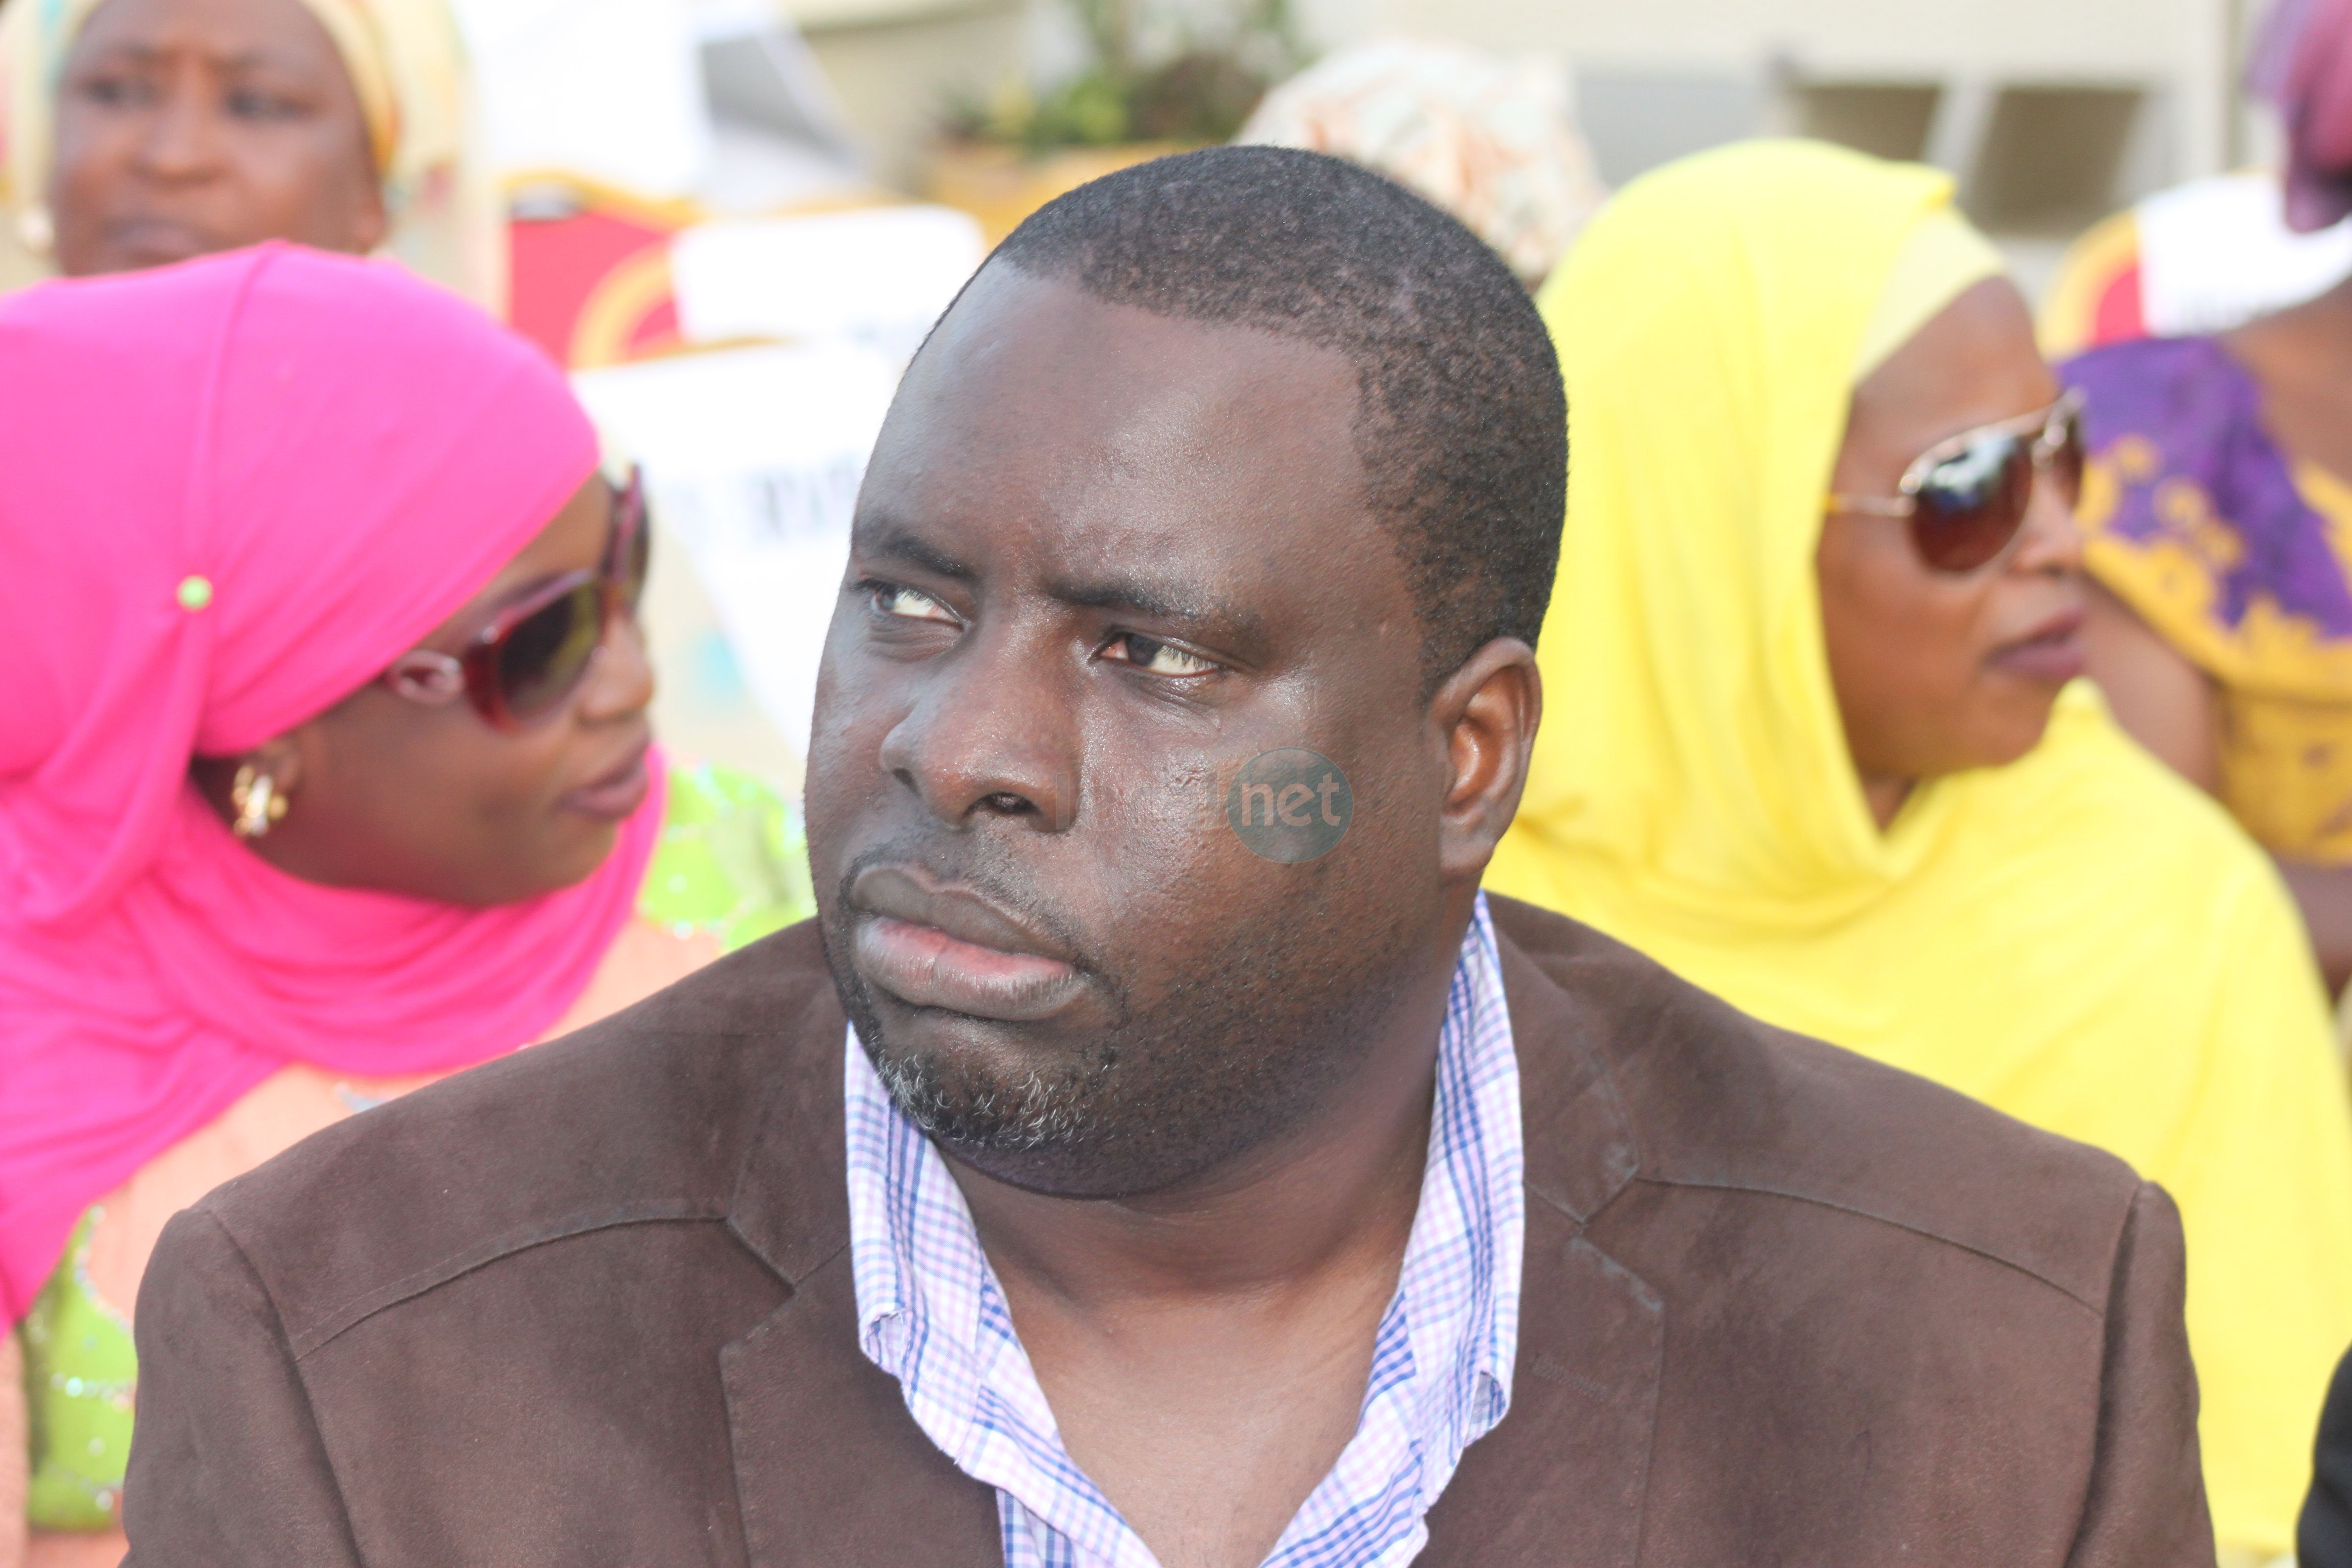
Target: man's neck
column 1205, row 1349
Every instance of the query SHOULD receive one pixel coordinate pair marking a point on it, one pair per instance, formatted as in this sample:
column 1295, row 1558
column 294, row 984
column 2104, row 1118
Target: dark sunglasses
column 535, row 651
column 1966, row 498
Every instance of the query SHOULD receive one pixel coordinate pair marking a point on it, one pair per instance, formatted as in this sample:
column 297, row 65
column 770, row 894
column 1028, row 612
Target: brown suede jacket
column 592, row 1305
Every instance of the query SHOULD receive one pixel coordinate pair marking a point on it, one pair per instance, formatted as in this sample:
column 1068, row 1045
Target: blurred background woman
column 2217, row 512
column 146, row 131
column 1492, row 140
column 1813, row 738
column 325, row 770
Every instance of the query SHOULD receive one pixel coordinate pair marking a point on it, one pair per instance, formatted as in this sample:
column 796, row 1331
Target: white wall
column 2030, row 38
column 1664, row 73
column 2177, row 51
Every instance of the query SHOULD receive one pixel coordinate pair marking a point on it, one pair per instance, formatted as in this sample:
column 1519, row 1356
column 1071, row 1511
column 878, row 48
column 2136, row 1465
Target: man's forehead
column 1065, row 366
column 1037, row 403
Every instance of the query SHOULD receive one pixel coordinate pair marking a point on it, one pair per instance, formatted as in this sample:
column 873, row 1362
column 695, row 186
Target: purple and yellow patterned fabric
column 2239, row 557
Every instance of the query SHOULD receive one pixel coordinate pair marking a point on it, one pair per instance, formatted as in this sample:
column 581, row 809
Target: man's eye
column 910, row 603
column 1157, row 657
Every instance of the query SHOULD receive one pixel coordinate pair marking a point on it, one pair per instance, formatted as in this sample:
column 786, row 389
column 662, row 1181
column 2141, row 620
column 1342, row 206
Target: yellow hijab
column 2079, row 939
column 407, row 65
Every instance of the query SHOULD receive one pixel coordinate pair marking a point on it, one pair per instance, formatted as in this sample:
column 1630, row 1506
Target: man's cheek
column 845, row 754
column 1154, row 839
column 1172, row 869
column 836, row 793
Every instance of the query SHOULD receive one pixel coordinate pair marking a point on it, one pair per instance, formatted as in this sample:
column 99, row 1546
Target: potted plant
column 1152, row 83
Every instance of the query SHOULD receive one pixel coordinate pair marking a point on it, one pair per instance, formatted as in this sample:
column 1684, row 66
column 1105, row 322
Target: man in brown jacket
column 1158, row 1150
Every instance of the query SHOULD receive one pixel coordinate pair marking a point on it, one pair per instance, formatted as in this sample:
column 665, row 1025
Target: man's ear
column 1485, row 714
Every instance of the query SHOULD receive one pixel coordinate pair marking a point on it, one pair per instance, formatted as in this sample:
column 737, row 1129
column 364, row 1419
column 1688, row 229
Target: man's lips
column 934, row 946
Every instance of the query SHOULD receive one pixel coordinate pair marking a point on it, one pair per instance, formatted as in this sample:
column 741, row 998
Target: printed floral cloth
column 1493, row 140
column 2239, row 557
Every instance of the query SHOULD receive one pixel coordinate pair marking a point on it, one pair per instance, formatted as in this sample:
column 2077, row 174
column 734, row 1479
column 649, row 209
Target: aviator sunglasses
column 1966, row 498
column 534, row 652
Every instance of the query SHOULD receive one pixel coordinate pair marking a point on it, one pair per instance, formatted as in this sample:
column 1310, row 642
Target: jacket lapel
column 1562, row 1479
column 830, row 1469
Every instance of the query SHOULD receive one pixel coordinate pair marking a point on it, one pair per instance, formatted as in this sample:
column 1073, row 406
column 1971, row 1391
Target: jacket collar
column 1562, row 1479
column 1580, row 1139
column 830, row 1469
column 790, row 1206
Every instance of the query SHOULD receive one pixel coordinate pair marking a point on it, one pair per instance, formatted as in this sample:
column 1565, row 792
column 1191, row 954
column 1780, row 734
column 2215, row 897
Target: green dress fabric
column 732, row 864
column 79, row 1370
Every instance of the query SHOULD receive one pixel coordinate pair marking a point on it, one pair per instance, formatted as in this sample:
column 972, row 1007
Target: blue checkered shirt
column 931, row 1314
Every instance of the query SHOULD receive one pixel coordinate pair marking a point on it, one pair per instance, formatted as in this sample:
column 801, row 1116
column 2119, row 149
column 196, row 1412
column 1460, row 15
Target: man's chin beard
column 1056, row 1129
column 1036, row 1115
column 1086, row 1127
column 1051, row 1133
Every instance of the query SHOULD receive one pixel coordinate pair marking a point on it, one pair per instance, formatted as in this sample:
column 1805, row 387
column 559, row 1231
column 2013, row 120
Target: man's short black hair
column 1462, row 422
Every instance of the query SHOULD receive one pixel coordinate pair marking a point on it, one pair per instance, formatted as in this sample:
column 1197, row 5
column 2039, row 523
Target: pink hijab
column 231, row 492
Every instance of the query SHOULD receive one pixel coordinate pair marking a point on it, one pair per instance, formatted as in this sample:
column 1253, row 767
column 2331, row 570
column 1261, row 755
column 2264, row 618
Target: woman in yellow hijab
column 1813, row 739
column 143, row 131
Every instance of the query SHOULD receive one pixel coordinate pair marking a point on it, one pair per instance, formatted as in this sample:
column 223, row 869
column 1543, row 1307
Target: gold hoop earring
column 258, row 804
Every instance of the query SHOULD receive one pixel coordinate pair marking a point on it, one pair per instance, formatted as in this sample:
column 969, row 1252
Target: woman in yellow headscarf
column 145, row 131
column 1813, row 739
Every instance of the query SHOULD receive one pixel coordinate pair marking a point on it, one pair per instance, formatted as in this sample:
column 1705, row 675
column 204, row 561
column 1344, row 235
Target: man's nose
column 992, row 735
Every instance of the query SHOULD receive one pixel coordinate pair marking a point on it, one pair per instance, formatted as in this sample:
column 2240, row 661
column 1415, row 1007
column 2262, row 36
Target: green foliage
column 1202, row 90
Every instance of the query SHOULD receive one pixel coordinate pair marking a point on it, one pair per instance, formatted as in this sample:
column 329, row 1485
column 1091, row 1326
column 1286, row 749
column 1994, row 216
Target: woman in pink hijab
column 324, row 767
